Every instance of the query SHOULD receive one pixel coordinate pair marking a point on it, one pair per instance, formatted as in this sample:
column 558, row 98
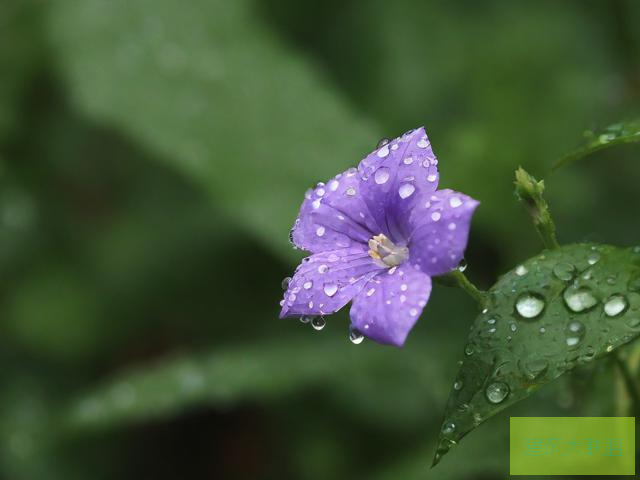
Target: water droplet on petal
column 497, row 392
column 615, row 305
column 383, row 152
column 350, row 191
column 408, row 161
column 564, row 271
column 330, row 289
column 320, row 231
column 529, row 305
column 381, row 176
column 431, row 178
column 307, row 285
column 318, row 323
column 579, row 299
column 406, row 190
column 455, row 202
column 435, row 216
column 423, row 143
column 370, row 292
column 333, row 185
column 382, row 142
column 285, row 282
column 323, row 269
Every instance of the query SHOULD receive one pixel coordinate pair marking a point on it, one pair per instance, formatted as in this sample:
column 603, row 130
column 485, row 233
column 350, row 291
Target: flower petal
column 439, row 226
column 325, row 282
column 394, row 175
column 334, row 215
column 389, row 305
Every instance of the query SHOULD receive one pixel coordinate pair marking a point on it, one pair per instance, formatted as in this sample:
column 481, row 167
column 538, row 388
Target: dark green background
column 153, row 155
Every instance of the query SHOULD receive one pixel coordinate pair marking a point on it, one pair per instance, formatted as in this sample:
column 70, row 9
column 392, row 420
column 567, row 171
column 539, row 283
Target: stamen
column 385, row 251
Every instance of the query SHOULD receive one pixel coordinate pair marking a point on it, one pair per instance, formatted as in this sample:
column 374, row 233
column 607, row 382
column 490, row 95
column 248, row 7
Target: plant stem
column 529, row 191
column 465, row 284
column 630, row 384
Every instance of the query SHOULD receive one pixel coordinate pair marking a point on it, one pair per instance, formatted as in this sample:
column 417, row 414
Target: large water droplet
column 381, row 176
column 615, row 305
column 497, row 392
column 318, row 323
column 579, row 299
column 564, row 271
column 355, row 336
column 330, row 289
column 529, row 305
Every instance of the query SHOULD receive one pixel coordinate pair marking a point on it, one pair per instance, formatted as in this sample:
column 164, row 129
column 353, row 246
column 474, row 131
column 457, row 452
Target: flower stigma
column 384, row 250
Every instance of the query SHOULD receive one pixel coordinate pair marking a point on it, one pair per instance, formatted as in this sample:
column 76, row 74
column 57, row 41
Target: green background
column 153, row 156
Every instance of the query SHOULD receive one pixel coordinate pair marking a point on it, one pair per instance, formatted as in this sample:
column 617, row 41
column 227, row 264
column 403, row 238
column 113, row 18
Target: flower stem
column 529, row 192
column 461, row 280
column 630, row 384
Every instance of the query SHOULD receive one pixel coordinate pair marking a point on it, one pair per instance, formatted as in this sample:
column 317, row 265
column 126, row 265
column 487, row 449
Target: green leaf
column 211, row 91
column 267, row 371
column 617, row 134
column 558, row 310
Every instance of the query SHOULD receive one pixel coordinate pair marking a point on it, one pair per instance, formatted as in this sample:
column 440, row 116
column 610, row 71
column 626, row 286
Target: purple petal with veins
column 378, row 233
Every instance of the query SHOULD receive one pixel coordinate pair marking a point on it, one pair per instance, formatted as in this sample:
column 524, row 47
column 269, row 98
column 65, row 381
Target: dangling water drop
column 529, row 305
column 355, row 336
column 497, row 392
column 462, row 266
column 318, row 323
column 306, row 319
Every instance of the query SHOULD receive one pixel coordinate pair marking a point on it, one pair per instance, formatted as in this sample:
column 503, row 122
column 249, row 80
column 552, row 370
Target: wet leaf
column 616, row 134
column 558, row 310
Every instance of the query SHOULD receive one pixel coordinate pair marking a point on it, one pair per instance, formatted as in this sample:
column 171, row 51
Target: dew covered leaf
column 212, row 92
column 558, row 310
column 613, row 135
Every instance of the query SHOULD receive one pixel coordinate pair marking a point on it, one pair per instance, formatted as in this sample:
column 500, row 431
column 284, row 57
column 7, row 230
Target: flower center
column 385, row 251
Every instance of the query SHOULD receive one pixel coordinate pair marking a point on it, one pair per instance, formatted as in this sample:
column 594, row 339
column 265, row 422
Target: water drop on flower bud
column 285, row 282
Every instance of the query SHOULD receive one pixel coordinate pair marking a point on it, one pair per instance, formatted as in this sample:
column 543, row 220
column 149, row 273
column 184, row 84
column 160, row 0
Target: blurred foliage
column 153, row 156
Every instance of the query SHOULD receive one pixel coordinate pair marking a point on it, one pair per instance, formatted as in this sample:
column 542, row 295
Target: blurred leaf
column 560, row 309
column 613, row 135
column 212, row 92
column 268, row 370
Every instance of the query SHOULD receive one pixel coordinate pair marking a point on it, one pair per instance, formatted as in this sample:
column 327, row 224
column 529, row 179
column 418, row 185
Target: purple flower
column 377, row 235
